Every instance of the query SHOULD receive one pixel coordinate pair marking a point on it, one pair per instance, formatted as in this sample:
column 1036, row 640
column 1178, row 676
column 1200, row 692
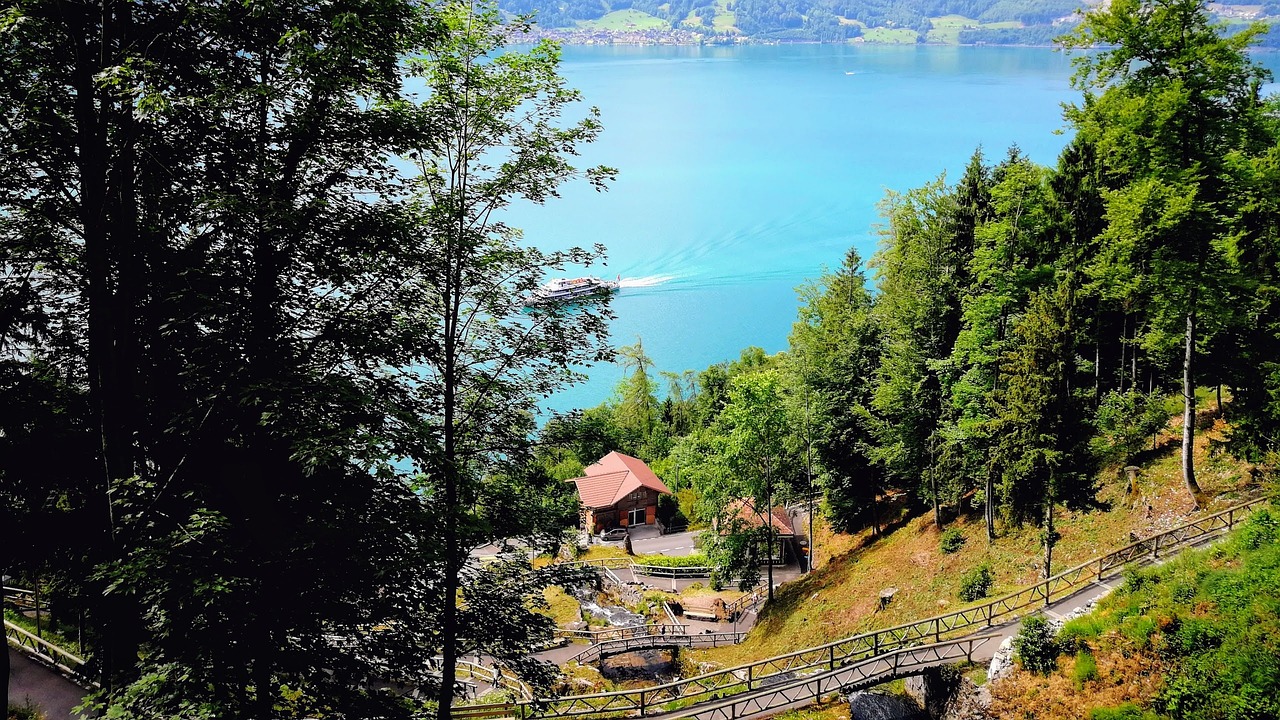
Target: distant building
column 618, row 491
column 743, row 516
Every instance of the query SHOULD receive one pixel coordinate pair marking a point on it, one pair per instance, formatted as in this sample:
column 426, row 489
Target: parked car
column 613, row 534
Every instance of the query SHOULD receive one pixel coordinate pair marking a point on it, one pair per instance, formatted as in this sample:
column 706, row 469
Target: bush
column 1074, row 634
column 26, row 711
column 975, row 583
column 1035, row 645
column 1127, row 711
column 1086, row 669
column 952, row 540
column 1262, row 529
column 673, row 561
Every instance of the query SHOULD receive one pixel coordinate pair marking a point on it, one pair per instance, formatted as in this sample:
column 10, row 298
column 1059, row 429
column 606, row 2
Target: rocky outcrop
column 933, row 688
column 880, row 706
column 967, row 702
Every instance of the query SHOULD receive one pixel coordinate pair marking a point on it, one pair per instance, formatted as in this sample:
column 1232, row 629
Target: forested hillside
column 1023, row 22
column 1020, row 326
column 803, row 19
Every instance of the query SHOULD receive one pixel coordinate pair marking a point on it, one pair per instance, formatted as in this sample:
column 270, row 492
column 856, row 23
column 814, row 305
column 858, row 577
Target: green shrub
column 673, row 561
column 1086, row 669
column 975, row 584
column 1261, row 529
column 951, row 541
column 25, row 711
column 1134, row 580
column 1139, row 629
column 1035, row 645
column 1127, row 711
column 1075, row 633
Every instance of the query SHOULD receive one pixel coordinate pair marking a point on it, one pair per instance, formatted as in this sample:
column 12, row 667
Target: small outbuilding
column 618, row 491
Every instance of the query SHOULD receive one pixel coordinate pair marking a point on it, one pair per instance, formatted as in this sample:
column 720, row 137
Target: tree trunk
column 1189, row 410
column 989, row 489
column 933, row 490
column 768, row 524
column 1050, row 539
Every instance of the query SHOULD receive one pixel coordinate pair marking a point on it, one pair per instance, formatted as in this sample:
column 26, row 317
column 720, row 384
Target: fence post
column 749, row 669
column 1231, row 517
column 832, row 662
column 1155, row 546
column 1100, row 561
column 642, row 703
column 937, row 631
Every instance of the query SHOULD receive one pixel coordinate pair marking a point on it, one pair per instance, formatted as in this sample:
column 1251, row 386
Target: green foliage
column 1126, row 711
column 951, row 540
column 673, row 561
column 1126, row 422
column 26, row 711
column 1086, row 668
column 976, row 583
column 1263, row 528
column 1076, row 633
column 1035, row 645
column 1210, row 616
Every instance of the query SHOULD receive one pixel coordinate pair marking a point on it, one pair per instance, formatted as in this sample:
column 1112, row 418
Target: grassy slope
column 1199, row 633
column 890, row 36
column 621, row 20
column 724, row 19
column 946, row 29
column 840, row 598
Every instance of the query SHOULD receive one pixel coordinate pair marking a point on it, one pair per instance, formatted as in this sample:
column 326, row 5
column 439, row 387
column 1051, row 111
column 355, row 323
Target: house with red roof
column 619, row 491
column 745, row 516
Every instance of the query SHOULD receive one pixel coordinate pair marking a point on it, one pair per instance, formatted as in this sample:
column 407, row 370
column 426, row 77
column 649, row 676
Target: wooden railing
column 618, row 633
column 695, row 571
column 66, row 662
column 495, row 676
column 656, row 640
column 749, row 601
column 870, row 672
column 880, row 642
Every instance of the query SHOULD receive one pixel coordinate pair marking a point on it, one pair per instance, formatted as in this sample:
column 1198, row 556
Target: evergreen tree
column 1175, row 100
column 1041, row 434
column 834, row 351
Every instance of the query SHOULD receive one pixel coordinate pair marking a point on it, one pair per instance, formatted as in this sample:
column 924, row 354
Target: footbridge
column 656, row 640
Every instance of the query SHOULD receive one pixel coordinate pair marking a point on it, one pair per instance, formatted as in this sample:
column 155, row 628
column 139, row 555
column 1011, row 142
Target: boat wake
column 646, row 281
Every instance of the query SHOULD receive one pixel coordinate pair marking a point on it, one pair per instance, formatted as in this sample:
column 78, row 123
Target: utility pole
column 808, row 471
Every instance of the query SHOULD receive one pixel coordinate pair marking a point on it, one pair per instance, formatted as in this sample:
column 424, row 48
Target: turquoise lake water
column 745, row 171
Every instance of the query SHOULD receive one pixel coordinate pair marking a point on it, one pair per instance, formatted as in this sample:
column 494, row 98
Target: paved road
column 645, row 540
column 31, row 682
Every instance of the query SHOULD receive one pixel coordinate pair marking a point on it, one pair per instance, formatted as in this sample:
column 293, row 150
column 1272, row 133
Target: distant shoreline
column 687, row 38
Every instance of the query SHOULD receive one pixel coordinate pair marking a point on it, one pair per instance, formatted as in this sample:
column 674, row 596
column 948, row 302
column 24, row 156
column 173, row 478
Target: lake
column 744, row 171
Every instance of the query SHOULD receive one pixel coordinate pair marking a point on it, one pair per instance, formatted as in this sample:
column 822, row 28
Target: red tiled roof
column 613, row 478
column 745, row 510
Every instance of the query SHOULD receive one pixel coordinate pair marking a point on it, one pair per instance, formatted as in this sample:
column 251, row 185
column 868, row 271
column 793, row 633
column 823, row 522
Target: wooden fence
column 656, row 640
column 67, row 663
column 619, row 633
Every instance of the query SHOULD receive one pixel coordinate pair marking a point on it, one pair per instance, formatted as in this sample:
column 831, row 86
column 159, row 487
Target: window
column 636, row 516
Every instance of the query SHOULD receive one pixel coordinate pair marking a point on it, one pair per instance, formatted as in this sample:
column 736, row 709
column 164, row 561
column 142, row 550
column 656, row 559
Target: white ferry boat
column 562, row 289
